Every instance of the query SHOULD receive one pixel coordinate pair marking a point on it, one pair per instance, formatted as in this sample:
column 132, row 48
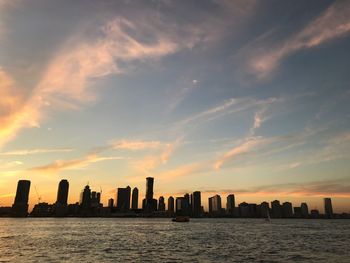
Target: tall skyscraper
column 276, row 209
column 135, row 199
column 149, row 204
column 171, row 204
column 149, row 188
column 85, row 198
column 123, row 199
column 304, row 210
column 62, row 193
column 230, row 204
column 196, row 204
column 215, row 205
column 328, row 209
column 20, row 206
column 161, row 204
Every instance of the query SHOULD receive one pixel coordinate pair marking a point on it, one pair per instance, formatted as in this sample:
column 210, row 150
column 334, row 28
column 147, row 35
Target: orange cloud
column 246, row 147
column 136, row 144
column 66, row 84
column 73, row 164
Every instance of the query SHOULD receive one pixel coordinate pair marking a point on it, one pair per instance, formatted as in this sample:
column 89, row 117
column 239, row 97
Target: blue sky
column 243, row 97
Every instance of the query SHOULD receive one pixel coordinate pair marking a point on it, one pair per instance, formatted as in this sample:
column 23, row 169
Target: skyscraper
column 161, row 204
column 60, row 208
column 20, row 206
column 149, row 204
column 230, row 204
column 215, row 205
column 135, row 199
column 171, row 204
column 196, row 204
column 62, row 193
column 149, row 188
column 328, row 209
column 85, row 198
column 123, row 199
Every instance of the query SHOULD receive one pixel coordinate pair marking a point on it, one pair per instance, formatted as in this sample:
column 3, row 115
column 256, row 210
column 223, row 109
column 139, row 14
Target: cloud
column 230, row 106
column 135, row 145
column 36, row 151
column 248, row 146
column 149, row 163
column 15, row 111
column 59, row 165
column 67, row 82
column 333, row 23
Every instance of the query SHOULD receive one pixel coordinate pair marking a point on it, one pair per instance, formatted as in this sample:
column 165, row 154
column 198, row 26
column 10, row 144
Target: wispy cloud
column 149, row 163
column 248, row 146
column 59, row 165
column 333, row 23
column 36, row 151
column 136, row 144
column 66, row 84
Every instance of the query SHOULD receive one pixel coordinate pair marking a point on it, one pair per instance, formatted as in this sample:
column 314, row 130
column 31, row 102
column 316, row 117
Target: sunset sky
column 244, row 97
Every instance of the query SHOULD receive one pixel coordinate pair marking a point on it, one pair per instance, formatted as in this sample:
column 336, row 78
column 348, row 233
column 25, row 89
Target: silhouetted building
column 135, row 199
column 304, row 210
column 123, row 199
column 161, row 204
column 276, row 209
column 171, row 204
column 196, row 204
column 297, row 212
column 328, row 209
column 315, row 213
column 20, row 206
column 62, row 192
column 85, row 199
column 60, row 208
column 244, row 210
column 215, row 207
column 42, row 210
column 253, row 210
column 264, row 209
column 149, row 204
column 110, row 203
column 182, row 206
column 230, row 204
column 287, row 210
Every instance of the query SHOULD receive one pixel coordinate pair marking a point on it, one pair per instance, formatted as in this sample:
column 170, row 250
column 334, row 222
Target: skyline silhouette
column 125, row 205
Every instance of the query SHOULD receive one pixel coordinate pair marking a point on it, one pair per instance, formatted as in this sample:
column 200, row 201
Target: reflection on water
column 159, row 240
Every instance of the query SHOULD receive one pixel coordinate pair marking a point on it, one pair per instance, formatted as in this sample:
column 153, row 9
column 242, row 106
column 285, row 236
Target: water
column 159, row 240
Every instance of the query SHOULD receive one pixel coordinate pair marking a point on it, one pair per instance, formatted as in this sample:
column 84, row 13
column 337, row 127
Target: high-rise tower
column 135, row 199
column 62, row 193
column 20, row 206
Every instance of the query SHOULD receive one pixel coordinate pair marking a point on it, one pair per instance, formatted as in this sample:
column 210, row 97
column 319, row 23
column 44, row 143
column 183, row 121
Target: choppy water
column 159, row 240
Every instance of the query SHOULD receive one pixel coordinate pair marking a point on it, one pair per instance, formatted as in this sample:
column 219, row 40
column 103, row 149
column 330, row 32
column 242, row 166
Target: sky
column 243, row 97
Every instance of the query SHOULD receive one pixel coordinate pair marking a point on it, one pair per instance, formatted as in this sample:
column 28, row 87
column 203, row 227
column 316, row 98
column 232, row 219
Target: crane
column 37, row 194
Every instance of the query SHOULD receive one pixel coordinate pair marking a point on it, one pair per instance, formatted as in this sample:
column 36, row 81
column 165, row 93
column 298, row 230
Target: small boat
column 181, row 219
column 268, row 218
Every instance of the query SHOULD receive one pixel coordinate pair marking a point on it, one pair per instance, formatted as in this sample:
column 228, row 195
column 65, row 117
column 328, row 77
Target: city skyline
column 221, row 97
column 126, row 202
